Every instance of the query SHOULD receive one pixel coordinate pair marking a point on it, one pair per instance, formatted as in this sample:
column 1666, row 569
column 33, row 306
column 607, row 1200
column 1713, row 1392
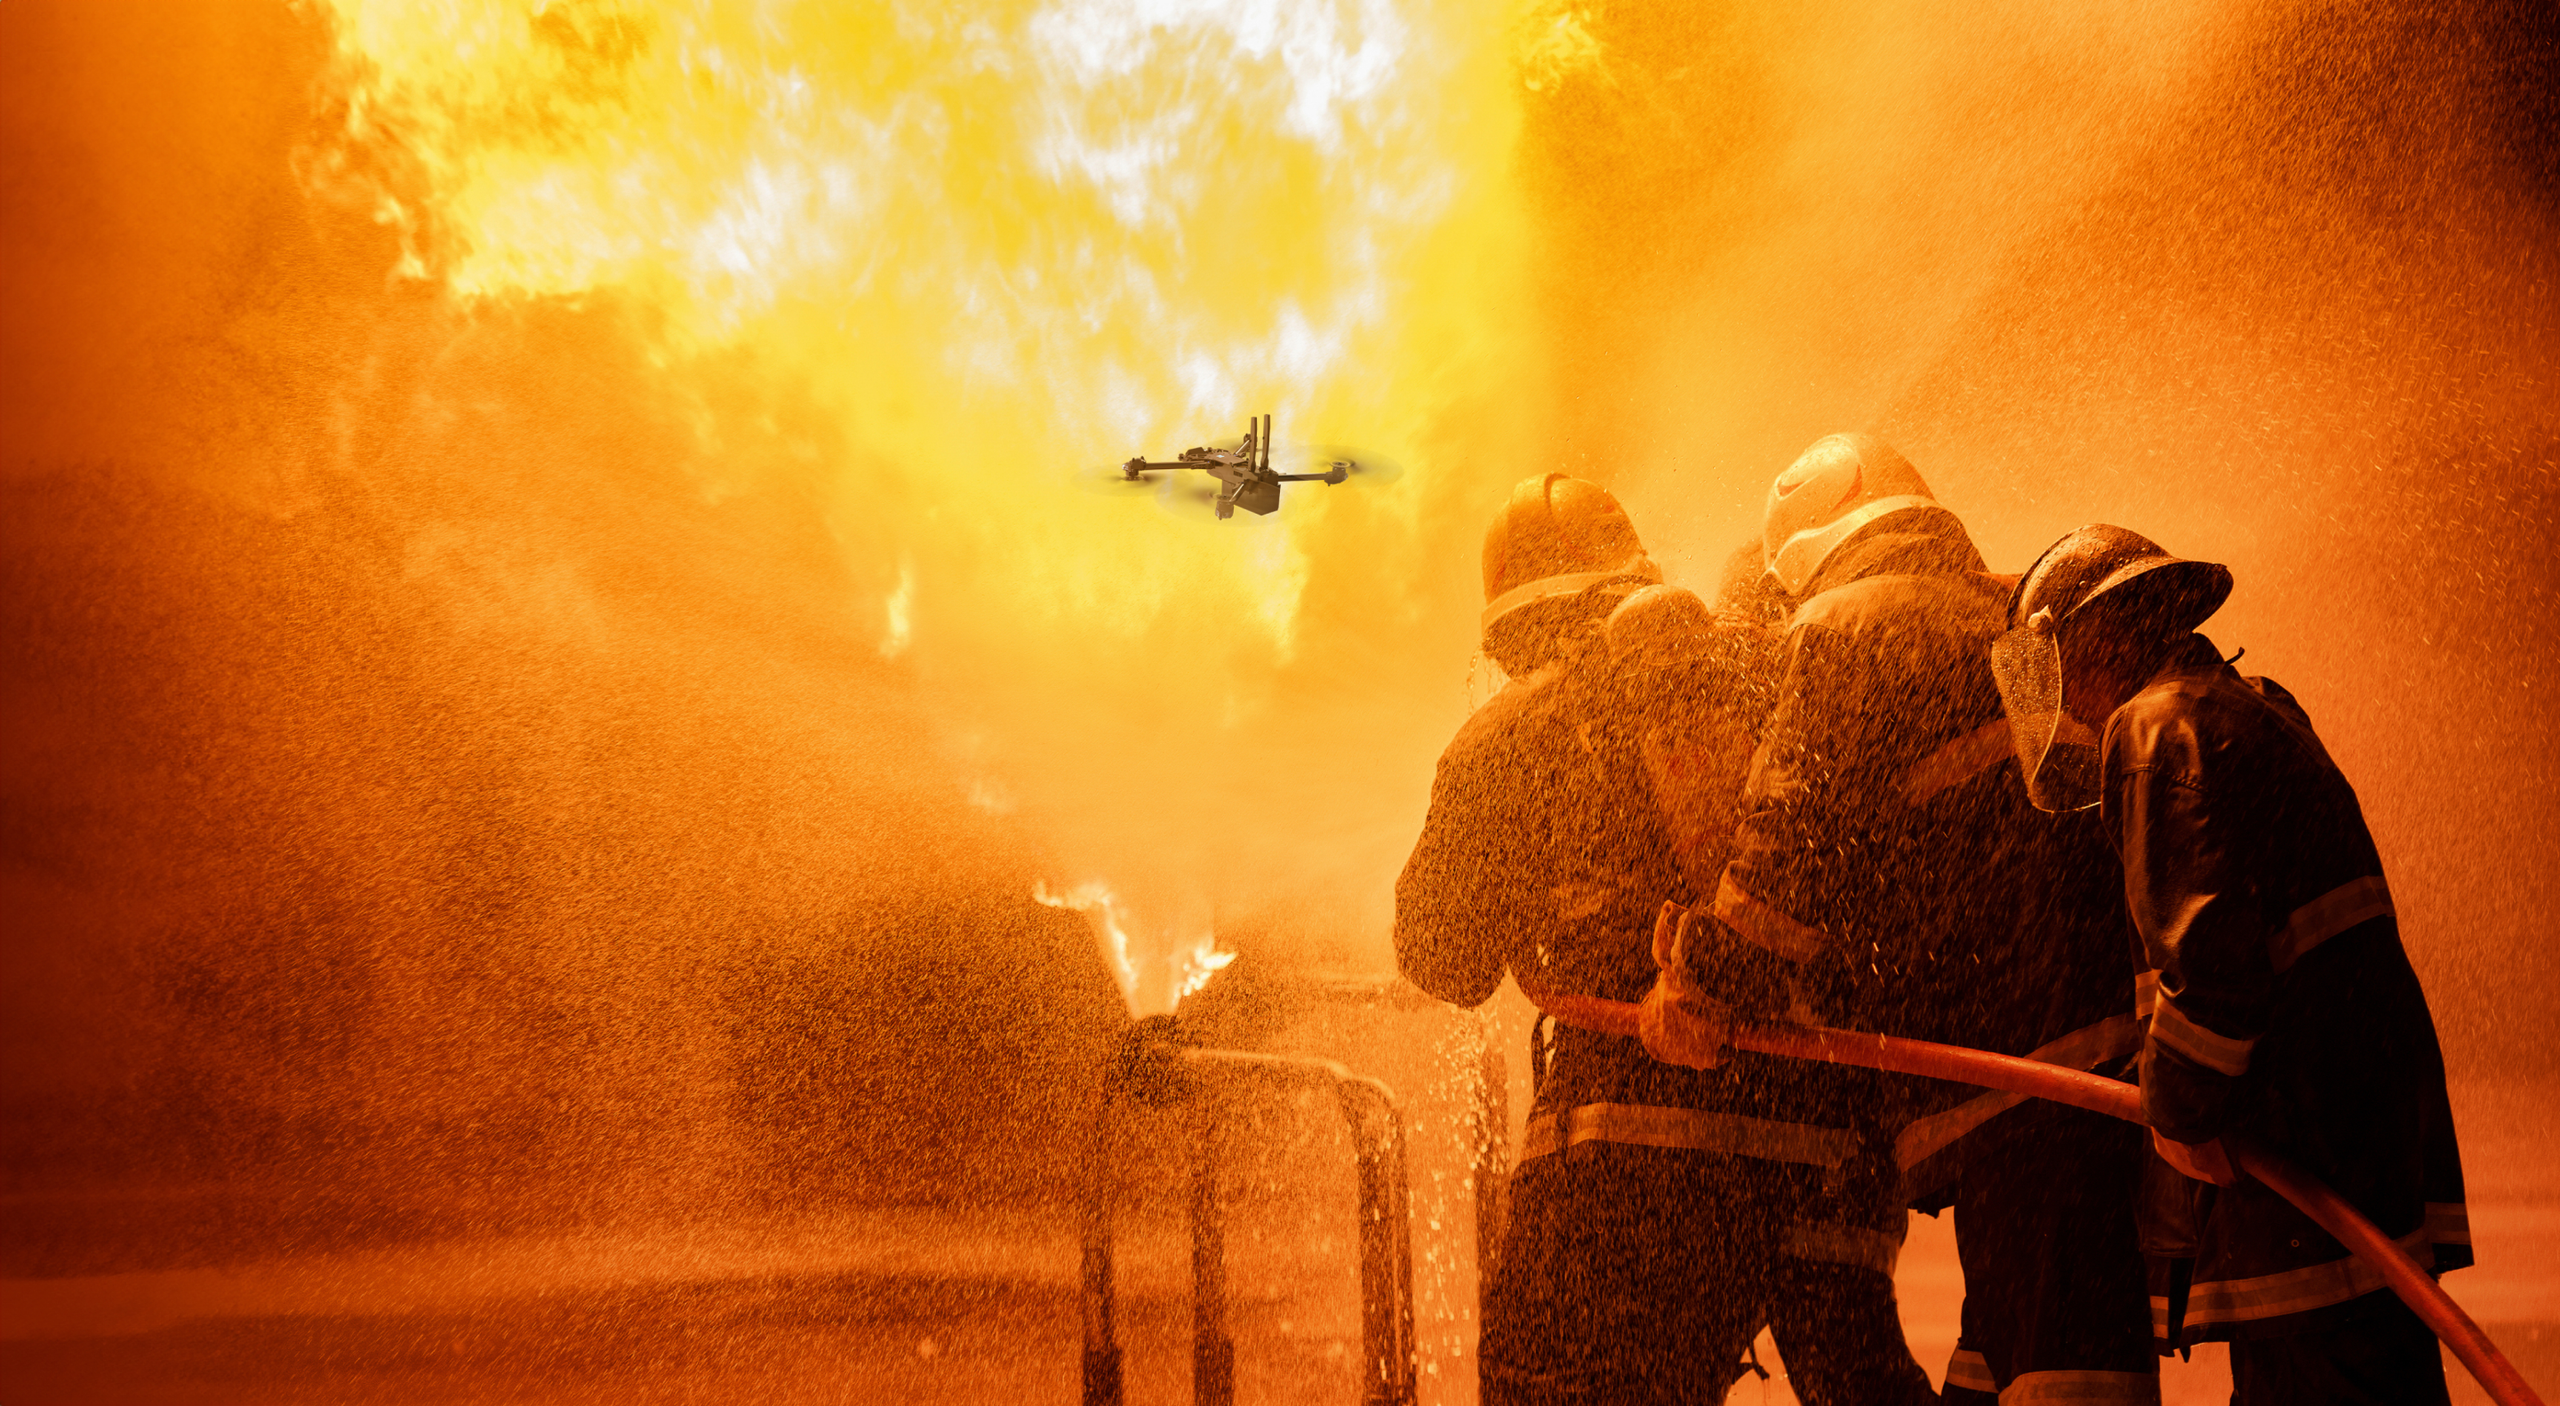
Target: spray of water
column 562, row 597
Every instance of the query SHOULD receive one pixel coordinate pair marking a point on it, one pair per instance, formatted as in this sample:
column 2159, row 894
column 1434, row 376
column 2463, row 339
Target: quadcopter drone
column 1244, row 475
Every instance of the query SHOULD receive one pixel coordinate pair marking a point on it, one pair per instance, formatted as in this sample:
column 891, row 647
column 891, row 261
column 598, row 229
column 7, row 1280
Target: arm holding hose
column 2204, row 930
column 1679, row 1021
column 1757, row 947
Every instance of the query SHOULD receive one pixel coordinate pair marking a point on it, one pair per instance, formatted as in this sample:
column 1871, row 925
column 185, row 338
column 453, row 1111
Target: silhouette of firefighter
column 1888, row 875
column 1659, row 1215
column 2281, row 1005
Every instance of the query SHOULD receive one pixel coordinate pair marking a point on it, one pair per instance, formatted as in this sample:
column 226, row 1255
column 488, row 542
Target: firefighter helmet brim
column 2141, row 590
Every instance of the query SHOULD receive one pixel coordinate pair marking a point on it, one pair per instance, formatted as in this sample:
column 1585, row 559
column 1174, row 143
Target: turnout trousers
column 1837, row 1326
column 2056, row 1306
column 1638, row 1275
column 2378, row 1354
column 1632, row 1275
column 1839, row 1332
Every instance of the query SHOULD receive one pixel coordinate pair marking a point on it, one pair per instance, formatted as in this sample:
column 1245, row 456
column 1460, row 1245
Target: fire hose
column 2099, row 1094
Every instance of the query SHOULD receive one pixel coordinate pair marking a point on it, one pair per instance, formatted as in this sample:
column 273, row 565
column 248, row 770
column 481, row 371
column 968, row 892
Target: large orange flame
column 1003, row 247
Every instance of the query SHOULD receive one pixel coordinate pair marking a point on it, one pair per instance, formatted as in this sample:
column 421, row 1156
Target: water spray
column 1160, row 1064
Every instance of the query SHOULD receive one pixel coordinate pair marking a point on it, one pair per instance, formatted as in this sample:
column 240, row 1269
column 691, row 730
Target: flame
column 1178, row 969
column 1080, row 227
column 900, row 608
column 995, row 249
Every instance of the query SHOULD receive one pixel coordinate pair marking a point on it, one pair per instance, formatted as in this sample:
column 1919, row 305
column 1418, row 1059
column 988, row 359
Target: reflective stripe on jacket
column 2090, row 1047
column 1727, row 1134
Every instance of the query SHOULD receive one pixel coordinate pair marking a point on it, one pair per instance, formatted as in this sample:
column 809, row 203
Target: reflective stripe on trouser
column 2313, row 1286
column 1967, row 1370
column 1831, row 1242
column 1647, row 1125
column 2142, row 1388
column 1969, row 1378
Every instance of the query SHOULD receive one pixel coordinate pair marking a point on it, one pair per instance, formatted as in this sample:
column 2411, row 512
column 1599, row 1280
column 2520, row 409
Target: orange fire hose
column 2036, row 1079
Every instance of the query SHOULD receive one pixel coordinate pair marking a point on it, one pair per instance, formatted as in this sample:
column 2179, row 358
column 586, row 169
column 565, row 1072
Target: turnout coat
column 1889, row 872
column 2282, row 1007
column 1545, row 854
column 1655, row 1208
column 1891, row 875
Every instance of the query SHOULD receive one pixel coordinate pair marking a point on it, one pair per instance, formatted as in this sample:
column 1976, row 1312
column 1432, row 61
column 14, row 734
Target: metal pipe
column 1147, row 1063
column 1138, row 1068
column 1488, row 1119
column 2098, row 1094
column 1213, row 1353
column 1386, row 1247
column 1102, row 1381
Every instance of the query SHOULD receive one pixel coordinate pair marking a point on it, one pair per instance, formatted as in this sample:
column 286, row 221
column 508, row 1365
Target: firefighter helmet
column 1659, row 626
column 2171, row 593
column 2145, row 593
column 1841, row 484
column 1558, row 536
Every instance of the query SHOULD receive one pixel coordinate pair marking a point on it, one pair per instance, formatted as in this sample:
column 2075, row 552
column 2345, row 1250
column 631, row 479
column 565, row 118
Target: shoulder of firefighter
column 1863, row 797
column 2280, row 1004
column 1541, row 852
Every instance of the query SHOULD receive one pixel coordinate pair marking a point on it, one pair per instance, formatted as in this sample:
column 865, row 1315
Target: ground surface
column 912, row 1307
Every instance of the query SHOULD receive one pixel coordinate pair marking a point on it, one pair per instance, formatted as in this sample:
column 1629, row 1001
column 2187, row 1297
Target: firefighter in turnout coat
column 1833, row 1313
column 1889, row 875
column 1652, row 1205
column 2282, row 1007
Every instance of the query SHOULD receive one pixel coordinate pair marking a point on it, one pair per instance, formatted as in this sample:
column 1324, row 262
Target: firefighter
column 2282, row 1007
column 1834, row 1316
column 1886, row 876
column 1651, row 1203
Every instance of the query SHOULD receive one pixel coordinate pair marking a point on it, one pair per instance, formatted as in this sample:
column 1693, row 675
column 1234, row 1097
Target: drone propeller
column 1354, row 463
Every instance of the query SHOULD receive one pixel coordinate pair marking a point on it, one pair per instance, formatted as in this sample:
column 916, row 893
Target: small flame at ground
column 1151, row 983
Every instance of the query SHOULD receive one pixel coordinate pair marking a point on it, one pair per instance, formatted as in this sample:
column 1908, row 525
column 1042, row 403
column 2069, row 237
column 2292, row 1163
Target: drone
column 1244, row 475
